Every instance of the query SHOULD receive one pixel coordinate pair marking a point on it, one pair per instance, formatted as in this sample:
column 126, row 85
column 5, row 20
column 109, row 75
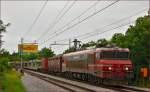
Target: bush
column 4, row 65
column 11, row 82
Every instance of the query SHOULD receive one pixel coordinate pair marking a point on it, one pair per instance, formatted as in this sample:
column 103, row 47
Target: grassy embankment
column 145, row 83
column 10, row 81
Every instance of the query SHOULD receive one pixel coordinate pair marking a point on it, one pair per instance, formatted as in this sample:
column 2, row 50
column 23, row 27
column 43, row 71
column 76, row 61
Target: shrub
column 4, row 64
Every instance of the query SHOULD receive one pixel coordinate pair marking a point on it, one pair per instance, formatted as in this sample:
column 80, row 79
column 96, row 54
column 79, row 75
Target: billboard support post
column 21, row 53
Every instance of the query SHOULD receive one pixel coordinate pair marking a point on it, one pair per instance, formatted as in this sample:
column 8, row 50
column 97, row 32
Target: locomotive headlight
column 126, row 68
column 109, row 68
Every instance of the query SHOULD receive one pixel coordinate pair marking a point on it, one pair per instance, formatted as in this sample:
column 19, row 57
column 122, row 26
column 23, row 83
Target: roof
column 115, row 48
column 79, row 52
column 95, row 50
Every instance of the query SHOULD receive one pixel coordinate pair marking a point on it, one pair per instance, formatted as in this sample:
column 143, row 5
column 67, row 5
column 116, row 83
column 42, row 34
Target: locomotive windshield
column 114, row 55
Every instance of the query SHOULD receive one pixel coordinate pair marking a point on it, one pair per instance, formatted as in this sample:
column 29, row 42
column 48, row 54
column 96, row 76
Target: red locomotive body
column 100, row 64
column 114, row 64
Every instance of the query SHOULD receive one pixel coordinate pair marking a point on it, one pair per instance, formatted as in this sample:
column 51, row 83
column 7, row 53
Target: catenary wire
column 81, row 21
column 107, row 30
column 116, row 22
column 36, row 19
column 57, row 20
column 71, row 20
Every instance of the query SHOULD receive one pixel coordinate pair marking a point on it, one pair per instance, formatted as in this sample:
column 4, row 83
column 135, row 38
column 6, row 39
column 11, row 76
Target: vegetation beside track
column 11, row 81
column 145, row 83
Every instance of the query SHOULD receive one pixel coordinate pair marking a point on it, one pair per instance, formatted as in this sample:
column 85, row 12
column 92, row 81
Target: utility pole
column 21, row 53
column 76, row 43
column 69, row 43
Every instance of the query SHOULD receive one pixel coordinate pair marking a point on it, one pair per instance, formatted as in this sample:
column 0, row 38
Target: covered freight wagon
column 55, row 64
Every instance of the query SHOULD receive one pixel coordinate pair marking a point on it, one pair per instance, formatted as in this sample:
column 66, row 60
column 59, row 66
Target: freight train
column 100, row 65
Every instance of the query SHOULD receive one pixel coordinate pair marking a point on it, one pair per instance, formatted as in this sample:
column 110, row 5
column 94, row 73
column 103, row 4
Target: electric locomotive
column 102, row 65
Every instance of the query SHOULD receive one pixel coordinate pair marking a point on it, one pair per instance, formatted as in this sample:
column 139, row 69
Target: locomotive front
column 114, row 65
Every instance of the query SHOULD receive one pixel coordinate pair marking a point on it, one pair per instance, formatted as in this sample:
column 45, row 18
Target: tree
column 32, row 56
column 102, row 43
column 2, row 29
column 4, row 53
column 89, row 44
column 46, row 52
column 118, row 39
column 69, row 50
column 15, row 56
column 136, row 39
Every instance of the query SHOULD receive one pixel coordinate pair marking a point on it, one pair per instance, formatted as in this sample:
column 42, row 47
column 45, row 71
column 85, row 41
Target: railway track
column 66, row 86
column 62, row 84
column 76, row 86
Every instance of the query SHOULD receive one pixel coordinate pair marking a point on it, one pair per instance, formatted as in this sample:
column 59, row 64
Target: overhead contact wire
column 36, row 19
column 116, row 22
column 58, row 20
column 74, row 18
column 81, row 21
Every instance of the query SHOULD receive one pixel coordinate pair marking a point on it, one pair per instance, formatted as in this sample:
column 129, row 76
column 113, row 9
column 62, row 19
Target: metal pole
column 75, row 44
column 69, row 43
column 21, row 53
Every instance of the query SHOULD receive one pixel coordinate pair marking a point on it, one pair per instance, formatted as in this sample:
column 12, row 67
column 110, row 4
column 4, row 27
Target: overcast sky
column 21, row 15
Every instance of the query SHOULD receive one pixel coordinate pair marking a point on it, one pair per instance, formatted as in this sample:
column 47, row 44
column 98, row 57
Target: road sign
column 144, row 72
column 28, row 47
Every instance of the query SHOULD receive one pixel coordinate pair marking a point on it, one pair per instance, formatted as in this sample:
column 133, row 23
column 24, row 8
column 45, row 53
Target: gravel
column 33, row 84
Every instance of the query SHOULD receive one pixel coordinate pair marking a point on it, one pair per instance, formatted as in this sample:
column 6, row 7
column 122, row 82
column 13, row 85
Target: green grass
column 145, row 83
column 11, row 82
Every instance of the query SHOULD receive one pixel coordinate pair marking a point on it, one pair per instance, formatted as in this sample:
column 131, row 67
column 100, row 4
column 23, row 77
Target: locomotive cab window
column 114, row 55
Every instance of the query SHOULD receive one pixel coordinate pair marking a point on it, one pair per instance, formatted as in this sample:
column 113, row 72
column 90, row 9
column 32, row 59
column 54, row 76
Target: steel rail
column 62, row 84
column 119, row 88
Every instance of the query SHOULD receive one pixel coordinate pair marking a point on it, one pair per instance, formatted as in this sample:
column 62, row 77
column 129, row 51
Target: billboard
column 28, row 47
